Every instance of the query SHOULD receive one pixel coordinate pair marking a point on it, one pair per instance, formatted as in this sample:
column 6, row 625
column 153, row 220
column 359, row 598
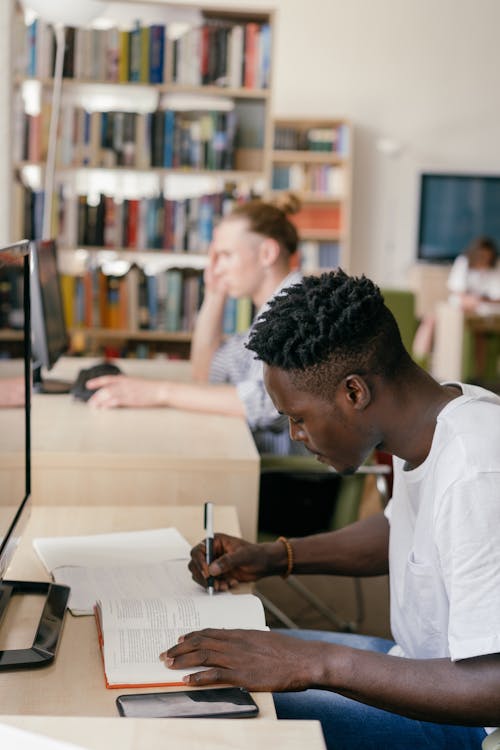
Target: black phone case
column 148, row 705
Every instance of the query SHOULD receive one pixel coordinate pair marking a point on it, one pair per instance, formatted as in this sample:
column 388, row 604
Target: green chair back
column 402, row 305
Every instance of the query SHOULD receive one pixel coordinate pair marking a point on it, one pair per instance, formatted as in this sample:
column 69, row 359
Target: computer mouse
column 79, row 388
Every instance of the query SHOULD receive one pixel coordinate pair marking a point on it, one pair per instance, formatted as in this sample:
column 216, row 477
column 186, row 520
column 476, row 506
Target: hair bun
column 287, row 202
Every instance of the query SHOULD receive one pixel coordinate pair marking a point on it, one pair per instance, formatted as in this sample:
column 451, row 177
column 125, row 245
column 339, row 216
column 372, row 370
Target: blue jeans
column 349, row 725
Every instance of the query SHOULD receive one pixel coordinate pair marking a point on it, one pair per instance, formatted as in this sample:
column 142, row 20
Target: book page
column 166, row 578
column 136, row 631
column 121, row 548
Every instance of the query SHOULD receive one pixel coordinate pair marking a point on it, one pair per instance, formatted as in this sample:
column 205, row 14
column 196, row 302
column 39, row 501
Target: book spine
column 250, row 55
column 157, row 53
column 174, row 300
column 123, row 64
column 135, row 53
column 145, row 45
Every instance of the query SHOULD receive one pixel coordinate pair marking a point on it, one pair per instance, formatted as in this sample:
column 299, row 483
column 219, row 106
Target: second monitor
column 50, row 339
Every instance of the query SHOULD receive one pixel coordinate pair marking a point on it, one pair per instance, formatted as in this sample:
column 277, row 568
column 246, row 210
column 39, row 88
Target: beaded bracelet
column 289, row 555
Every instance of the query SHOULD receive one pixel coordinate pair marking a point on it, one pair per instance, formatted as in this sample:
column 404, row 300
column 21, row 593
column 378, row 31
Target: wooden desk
column 84, row 456
column 186, row 734
column 74, row 684
column 450, row 357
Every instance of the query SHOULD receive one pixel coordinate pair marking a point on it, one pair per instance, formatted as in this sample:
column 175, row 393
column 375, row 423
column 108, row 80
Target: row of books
column 214, row 53
column 333, row 139
column 153, row 223
column 168, row 301
column 323, row 179
column 314, row 255
column 234, row 55
column 164, row 138
column 134, row 302
column 113, row 55
column 184, row 225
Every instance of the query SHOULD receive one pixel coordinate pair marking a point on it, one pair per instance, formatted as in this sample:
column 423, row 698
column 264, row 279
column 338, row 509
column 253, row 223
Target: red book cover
column 318, row 217
column 204, row 54
column 168, row 231
column 251, row 56
column 132, row 223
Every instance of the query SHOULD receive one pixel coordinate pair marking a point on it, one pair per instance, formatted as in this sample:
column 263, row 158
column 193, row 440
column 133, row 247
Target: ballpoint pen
column 209, row 541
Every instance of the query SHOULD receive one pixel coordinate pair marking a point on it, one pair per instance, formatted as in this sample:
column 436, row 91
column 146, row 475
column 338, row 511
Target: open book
column 134, row 632
column 145, row 563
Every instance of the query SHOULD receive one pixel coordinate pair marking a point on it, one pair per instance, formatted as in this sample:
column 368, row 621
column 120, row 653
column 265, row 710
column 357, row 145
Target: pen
column 209, row 542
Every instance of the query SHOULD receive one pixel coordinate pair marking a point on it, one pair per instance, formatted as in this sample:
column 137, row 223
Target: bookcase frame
column 329, row 206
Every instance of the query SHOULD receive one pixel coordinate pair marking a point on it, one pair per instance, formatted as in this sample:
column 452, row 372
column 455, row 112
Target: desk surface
column 186, row 734
column 450, row 356
column 74, row 684
column 87, row 456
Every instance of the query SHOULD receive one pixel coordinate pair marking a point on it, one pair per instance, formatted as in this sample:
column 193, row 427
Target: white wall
column 424, row 73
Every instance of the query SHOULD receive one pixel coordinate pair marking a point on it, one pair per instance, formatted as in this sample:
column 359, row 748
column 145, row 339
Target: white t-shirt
column 484, row 282
column 444, row 549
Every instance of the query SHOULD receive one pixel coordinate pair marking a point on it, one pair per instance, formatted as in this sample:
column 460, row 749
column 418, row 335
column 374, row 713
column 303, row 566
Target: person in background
column 335, row 365
column 470, row 280
column 250, row 256
column 474, row 285
column 473, row 282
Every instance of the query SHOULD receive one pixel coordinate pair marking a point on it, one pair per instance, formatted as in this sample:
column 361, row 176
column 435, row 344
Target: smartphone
column 215, row 703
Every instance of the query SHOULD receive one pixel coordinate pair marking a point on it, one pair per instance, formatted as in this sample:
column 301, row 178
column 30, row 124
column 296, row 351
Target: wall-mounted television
column 455, row 209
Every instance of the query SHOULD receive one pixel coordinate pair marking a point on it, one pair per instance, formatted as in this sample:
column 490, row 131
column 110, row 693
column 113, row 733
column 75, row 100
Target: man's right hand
column 236, row 561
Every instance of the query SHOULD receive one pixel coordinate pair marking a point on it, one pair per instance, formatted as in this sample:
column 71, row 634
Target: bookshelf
column 313, row 158
column 164, row 123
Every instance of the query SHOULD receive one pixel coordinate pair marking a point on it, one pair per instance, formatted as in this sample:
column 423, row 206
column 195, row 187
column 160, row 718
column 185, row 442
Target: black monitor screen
column 50, row 337
column 14, row 396
column 455, row 210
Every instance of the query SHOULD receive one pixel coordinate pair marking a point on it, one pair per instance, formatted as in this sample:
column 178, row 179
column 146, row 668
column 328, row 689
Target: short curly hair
column 328, row 327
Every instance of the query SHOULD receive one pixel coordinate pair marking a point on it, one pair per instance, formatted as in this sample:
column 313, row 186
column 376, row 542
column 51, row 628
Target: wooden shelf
column 311, row 197
column 163, row 88
column 282, row 156
column 321, row 235
column 7, row 334
column 183, row 259
column 229, row 175
column 119, row 334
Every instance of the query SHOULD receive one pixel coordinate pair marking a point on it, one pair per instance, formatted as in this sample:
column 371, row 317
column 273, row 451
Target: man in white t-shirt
column 334, row 364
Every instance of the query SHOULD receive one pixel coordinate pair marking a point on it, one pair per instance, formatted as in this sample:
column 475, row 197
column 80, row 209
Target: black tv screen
column 455, row 209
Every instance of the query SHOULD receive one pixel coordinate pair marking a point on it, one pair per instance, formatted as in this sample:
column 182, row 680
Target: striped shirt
column 234, row 363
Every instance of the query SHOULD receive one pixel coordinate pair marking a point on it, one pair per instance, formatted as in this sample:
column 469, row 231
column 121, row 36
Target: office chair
column 340, row 496
column 401, row 303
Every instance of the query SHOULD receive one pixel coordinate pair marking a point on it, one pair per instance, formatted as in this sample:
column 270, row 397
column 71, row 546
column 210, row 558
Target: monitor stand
column 49, row 628
column 49, row 385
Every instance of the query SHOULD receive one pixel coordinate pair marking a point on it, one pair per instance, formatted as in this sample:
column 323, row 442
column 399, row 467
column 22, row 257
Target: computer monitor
column 455, row 209
column 49, row 334
column 15, row 457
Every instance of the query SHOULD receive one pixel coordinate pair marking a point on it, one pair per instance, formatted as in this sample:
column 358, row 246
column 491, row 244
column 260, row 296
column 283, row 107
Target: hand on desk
column 255, row 659
column 121, row 390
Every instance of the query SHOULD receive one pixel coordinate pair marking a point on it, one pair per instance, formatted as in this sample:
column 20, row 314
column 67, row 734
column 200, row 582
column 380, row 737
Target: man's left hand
column 254, row 659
